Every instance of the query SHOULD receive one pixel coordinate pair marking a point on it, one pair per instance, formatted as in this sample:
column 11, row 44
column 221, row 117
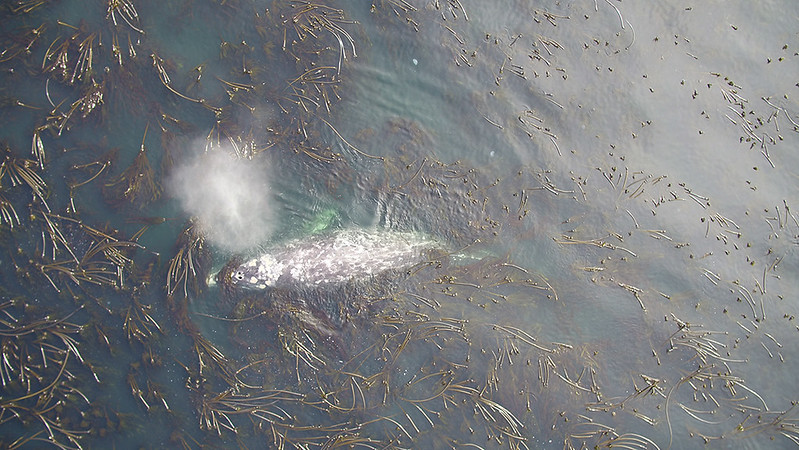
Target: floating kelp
column 74, row 252
column 308, row 21
column 188, row 268
column 136, row 186
column 616, row 224
column 40, row 375
column 16, row 172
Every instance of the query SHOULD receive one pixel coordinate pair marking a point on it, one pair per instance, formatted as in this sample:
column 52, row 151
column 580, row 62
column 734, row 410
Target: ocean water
column 612, row 185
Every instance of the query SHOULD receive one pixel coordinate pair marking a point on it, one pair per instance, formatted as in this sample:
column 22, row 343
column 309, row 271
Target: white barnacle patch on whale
column 331, row 258
column 268, row 270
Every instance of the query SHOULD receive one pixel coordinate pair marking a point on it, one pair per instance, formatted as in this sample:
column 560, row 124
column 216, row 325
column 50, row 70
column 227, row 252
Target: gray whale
column 330, row 259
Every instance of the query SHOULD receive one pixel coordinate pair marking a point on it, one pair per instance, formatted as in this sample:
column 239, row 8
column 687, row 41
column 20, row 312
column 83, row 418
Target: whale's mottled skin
column 331, row 258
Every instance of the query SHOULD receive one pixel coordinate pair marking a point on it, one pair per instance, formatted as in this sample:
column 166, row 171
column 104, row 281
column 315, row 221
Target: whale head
column 257, row 273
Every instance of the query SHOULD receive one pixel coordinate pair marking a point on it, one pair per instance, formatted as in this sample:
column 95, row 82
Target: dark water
column 613, row 185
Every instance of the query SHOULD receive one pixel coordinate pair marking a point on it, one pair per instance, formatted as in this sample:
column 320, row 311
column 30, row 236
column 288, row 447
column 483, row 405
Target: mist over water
column 231, row 196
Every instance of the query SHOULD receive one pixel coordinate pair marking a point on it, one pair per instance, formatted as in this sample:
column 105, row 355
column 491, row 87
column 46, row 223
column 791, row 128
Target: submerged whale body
column 330, row 259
